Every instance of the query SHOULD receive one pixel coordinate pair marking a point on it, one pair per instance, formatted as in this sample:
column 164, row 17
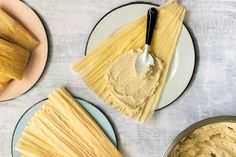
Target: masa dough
column 214, row 140
column 129, row 89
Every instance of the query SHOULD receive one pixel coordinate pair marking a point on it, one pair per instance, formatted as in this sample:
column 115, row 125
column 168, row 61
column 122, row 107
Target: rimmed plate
column 98, row 116
column 184, row 60
column 195, row 126
column 28, row 18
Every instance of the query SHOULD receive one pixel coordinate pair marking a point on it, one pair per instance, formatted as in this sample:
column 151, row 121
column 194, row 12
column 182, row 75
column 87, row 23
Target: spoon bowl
column 145, row 59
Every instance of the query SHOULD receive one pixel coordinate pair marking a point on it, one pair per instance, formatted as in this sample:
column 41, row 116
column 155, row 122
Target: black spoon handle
column 151, row 21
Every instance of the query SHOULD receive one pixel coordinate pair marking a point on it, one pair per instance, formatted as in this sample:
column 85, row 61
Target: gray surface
column 212, row 91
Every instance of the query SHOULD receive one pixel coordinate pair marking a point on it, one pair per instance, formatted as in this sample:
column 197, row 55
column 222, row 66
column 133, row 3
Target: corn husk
column 13, row 31
column 13, row 61
column 93, row 67
column 62, row 128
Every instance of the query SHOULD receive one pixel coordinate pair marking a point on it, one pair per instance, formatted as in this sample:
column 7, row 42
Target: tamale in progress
column 95, row 68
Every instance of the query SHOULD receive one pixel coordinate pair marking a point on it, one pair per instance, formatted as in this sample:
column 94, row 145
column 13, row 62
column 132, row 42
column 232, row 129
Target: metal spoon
column 145, row 59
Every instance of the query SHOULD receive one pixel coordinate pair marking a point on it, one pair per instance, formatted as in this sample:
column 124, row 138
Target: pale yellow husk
column 93, row 67
column 62, row 128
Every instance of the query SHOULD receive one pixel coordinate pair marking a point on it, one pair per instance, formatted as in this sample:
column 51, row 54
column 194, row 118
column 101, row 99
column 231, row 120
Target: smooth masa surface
column 212, row 91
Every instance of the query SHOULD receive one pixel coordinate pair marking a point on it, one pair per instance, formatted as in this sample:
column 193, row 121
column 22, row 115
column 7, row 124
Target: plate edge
column 143, row 2
column 105, row 115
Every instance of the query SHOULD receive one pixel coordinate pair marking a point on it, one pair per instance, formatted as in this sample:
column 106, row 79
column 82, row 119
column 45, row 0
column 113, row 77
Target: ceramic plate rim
column 77, row 99
column 185, row 27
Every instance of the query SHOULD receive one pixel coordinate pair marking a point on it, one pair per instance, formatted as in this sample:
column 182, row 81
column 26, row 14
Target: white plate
column 98, row 116
column 184, row 60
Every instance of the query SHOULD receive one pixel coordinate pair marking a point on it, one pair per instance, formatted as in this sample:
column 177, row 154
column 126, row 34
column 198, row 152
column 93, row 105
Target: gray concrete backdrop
column 212, row 91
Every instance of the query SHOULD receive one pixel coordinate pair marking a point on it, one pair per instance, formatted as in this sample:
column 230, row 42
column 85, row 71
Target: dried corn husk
column 62, row 128
column 11, row 30
column 93, row 67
